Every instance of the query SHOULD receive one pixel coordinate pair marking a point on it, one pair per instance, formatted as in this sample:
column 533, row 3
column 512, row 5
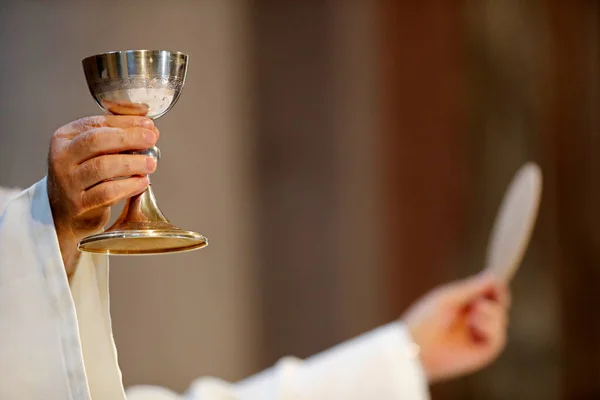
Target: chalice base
column 142, row 229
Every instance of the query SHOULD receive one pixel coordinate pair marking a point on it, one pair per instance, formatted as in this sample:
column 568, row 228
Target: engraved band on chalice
column 137, row 82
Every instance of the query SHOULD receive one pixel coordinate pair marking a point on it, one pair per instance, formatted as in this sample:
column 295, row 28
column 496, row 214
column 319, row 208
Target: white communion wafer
column 515, row 222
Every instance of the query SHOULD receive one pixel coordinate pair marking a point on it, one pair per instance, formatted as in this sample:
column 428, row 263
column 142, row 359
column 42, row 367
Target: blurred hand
column 460, row 327
column 82, row 163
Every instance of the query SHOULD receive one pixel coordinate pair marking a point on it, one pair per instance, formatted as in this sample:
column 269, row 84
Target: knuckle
column 57, row 133
column 98, row 120
column 105, row 195
column 86, row 123
column 89, row 174
column 78, row 124
column 96, row 166
column 93, row 121
column 92, row 139
column 121, row 137
column 78, row 147
column 82, row 124
column 62, row 130
column 126, row 164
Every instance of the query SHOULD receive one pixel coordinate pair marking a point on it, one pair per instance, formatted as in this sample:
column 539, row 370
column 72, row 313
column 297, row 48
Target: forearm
column 377, row 365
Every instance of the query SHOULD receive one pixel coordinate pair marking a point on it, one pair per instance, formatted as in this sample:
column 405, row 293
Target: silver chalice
column 139, row 82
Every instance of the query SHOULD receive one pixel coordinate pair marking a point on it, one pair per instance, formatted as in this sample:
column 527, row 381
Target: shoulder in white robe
column 56, row 337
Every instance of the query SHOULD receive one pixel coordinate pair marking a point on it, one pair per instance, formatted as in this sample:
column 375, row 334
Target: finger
column 109, row 193
column 108, row 140
column 74, row 128
column 462, row 292
column 501, row 295
column 491, row 334
column 156, row 132
column 485, row 310
column 120, row 107
column 99, row 169
column 488, row 320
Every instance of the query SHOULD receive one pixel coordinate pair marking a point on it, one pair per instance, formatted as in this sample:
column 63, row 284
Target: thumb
column 463, row 291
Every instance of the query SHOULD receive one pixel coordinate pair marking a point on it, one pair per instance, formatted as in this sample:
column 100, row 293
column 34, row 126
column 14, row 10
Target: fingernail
column 149, row 136
column 147, row 123
column 150, row 164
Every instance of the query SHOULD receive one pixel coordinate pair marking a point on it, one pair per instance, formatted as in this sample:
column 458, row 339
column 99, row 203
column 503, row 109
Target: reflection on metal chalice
column 139, row 82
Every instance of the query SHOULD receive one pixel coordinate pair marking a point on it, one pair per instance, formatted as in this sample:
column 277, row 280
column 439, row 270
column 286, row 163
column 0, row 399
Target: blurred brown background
column 343, row 157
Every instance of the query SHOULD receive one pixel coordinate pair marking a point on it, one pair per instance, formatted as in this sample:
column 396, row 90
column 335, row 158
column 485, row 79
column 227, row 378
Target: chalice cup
column 139, row 82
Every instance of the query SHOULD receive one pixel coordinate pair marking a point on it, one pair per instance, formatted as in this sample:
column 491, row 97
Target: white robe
column 56, row 337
